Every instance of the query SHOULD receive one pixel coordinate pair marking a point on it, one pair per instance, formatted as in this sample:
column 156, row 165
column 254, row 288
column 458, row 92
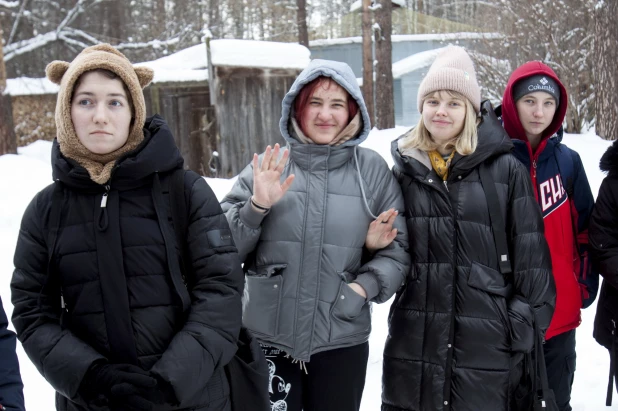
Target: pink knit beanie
column 452, row 70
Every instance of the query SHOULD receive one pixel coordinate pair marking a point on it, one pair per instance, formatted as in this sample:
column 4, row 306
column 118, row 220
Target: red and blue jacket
column 563, row 193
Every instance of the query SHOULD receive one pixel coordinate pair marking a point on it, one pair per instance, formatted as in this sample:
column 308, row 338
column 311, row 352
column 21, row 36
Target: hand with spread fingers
column 381, row 232
column 267, row 186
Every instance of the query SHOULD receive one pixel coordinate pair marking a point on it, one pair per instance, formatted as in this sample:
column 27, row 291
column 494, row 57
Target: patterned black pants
column 332, row 381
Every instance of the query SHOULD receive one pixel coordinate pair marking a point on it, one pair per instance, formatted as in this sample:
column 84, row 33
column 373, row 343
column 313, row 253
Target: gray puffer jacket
column 300, row 257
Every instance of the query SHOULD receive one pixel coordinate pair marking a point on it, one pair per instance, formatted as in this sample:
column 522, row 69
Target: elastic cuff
column 370, row 284
column 250, row 216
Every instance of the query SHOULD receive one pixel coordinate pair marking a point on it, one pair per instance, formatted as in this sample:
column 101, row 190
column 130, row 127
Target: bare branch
column 16, row 23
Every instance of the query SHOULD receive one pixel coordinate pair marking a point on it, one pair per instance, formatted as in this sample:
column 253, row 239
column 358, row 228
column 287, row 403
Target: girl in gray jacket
column 300, row 219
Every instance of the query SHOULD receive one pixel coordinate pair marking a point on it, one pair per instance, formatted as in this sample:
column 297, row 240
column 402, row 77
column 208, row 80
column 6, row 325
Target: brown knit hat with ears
column 452, row 70
column 101, row 56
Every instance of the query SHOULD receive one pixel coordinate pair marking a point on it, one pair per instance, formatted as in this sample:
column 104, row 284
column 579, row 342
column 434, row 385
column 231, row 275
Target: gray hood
column 344, row 76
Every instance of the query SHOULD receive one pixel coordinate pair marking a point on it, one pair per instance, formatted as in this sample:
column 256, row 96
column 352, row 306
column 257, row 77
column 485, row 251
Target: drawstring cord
column 301, row 363
column 360, row 180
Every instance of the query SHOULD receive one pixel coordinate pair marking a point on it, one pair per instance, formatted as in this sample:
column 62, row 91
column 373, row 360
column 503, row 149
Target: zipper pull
column 534, row 166
column 104, row 198
column 445, row 185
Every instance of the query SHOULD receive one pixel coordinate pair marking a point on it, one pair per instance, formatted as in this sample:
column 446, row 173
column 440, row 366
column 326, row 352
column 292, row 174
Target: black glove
column 128, row 397
column 125, row 386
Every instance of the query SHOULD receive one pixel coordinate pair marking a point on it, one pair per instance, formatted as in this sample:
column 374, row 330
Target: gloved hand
column 126, row 387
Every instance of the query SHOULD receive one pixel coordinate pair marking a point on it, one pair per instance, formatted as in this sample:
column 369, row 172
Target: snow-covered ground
column 23, row 175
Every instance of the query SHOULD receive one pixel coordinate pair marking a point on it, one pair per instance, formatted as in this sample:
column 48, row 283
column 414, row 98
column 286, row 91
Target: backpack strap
column 498, row 227
column 55, row 213
column 179, row 205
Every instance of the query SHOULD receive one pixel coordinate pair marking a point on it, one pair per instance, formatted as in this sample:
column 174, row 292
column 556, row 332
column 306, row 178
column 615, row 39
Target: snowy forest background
column 566, row 34
column 577, row 38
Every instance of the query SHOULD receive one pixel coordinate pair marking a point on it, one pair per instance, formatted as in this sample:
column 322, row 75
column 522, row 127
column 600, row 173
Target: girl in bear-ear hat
column 100, row 304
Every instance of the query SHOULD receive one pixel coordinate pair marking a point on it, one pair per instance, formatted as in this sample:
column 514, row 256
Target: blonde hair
column 465, row 143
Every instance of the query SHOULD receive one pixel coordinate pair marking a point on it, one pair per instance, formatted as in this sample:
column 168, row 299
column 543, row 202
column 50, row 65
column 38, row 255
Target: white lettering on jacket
column 551, row 191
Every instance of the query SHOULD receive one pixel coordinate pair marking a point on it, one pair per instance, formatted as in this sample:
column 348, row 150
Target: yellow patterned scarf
column 439, row 164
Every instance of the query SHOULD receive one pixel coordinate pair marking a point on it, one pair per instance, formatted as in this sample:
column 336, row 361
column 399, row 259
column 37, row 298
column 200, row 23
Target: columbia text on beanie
column 537, row 82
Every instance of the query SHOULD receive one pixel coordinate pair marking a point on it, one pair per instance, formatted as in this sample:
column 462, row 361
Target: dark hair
column 301, row 103
column 110, row 75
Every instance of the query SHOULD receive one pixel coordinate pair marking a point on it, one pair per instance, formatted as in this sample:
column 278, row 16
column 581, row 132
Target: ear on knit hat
column 451, row 70
column 55, row 70
column 144, row 75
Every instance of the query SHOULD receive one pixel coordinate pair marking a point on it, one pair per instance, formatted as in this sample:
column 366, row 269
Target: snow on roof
column 415, row 62
column 26, row 86
column 263, row 54
column 190, row 64
column 358, row 4
column 179, row 76
column 191, row 58
column 185, row 65
column 408, row 37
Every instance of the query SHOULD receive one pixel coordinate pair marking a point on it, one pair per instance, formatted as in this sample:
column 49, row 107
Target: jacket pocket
column 492, row 282
column 349, row 315
column 262, row 300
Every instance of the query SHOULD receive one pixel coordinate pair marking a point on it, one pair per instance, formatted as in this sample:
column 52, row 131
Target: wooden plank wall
column 191, row 119
column 248, row 107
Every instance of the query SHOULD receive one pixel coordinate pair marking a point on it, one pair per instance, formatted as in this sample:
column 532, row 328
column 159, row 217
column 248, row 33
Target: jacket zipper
column 449, row 356
column 105, row 195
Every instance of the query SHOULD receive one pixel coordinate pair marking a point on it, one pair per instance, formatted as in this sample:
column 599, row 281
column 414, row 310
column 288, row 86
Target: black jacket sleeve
column 531, row 260
column 58, row 354
column 11, row 387
column 208, row 339
column 603, row 230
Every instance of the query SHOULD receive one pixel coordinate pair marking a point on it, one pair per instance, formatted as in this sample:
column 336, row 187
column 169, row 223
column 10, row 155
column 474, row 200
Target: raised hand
column 381, row 232
column 267, row 186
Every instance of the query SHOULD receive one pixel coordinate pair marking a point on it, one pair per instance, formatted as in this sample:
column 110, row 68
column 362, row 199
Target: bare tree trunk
column 8, row 142
column 606, row 73
column 214, row 19
column 303, row 34
column 385, row 105
column 368, row 61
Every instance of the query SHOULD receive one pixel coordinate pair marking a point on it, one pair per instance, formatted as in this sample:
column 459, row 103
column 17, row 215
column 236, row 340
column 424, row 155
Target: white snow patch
column 358, row 5
column 263, row 54
column 26, row 86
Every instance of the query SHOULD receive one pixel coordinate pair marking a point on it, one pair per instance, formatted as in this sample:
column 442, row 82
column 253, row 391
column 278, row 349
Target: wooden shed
column 248, row 81
column 33, row 105
column 180, row 93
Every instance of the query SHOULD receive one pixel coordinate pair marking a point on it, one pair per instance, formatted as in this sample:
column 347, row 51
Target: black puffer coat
column 603, row 235
column 453, row 325
column 112, row 265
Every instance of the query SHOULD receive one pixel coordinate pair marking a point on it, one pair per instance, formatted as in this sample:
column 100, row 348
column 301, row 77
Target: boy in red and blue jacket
column 533, row 109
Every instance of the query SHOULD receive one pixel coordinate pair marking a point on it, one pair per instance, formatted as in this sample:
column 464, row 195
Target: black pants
column 560, row 362
column 334, row 380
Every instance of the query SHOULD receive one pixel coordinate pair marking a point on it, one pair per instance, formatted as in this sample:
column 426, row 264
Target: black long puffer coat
column 603, row 235
column 112, row 265
column 451, row 327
